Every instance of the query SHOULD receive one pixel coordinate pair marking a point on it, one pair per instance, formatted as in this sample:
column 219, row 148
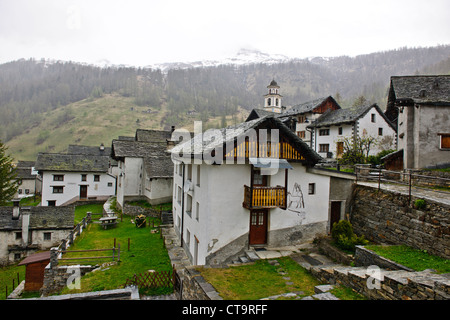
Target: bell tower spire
column 272, row 100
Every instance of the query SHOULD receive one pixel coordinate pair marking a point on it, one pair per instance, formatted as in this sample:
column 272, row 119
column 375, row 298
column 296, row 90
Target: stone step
column 251, row 255
column 325, row 296
column 323, row 288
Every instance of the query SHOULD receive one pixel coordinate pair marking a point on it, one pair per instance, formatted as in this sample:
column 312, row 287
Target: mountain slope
column 44, row 106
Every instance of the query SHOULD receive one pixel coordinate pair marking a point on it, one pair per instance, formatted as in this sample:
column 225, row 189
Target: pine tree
column 8, row 176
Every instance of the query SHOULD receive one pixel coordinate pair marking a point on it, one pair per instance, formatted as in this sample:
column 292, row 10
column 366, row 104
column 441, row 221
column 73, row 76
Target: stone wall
column 138, row 210
column 195, row 286
column 324, row 245
column 366, row 257
column 387, row 217
column 56, row 277
column 388, row 285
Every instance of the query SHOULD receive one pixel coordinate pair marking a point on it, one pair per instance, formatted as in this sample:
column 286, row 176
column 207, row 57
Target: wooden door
column 335, row 213
column 339, row 150
column 83, row 192
column 258, row 227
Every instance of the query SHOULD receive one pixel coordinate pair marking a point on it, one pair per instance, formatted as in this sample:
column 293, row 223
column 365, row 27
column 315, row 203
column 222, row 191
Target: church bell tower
column 272, row 100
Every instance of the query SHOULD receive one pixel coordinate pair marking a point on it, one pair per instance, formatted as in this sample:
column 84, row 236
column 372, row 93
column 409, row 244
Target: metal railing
column 405, row 178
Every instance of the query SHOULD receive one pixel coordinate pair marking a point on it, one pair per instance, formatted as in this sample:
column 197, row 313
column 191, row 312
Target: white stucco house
column 72, row 177
column 231, row 194
column 145, row 168
column 332, row 127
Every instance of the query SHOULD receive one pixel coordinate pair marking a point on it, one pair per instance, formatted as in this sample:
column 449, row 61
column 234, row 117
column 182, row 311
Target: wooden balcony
column 264, row 197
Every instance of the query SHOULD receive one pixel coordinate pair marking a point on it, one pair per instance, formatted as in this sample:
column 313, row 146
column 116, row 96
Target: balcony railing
column 264, row 197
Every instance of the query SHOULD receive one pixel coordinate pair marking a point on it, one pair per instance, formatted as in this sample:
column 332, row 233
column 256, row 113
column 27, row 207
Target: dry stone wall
column 388, row 217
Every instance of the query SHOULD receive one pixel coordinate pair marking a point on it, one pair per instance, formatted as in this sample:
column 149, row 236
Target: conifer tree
column 8, row 176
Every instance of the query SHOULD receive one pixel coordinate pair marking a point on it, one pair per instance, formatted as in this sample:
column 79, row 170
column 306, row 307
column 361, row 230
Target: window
column 188, row 238
column 58, row 177
column 198, row 176
column 324, row 132
column 445, row 140
column 83, row 177
column 197, row 211
column 373, row 117
column 324, row 147
column 18, row 235
column 340, row 131
column 380, row 131
column 179, row 195
column 301, row 119
column 96, row 177
column 189, row 206
column 27, row 191
column 17, row 256
column 58, row 189
column 51, row 203
column 312, row 188
column 19, row 191
column 301, row 134
column 110, row 184
column 47, row 236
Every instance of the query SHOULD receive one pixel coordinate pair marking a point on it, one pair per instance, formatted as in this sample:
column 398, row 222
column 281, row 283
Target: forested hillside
column 29, row 89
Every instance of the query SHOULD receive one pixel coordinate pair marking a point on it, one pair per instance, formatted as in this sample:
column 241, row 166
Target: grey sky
column 144, row 32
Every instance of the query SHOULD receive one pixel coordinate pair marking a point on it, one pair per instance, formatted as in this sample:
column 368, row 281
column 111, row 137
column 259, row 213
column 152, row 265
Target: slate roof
column 157, row 160
column 72, row 162
column 205, row 143
column 346, row 116
column 295, row 110
column 152, row 135
column 88, row 150
column 421, row 89
column 307, row 106
column 41, row 217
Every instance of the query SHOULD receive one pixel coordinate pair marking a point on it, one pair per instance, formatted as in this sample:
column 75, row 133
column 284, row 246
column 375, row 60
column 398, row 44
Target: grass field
column 146, row 252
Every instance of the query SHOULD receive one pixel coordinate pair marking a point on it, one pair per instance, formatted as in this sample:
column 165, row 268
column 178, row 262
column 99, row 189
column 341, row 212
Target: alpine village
column 306, row 192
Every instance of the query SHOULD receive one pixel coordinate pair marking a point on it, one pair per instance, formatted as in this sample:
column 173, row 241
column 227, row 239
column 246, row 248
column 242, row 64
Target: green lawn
column 262, row 279
column 7, row 274
column 81, row 211
column 146, row 253
column 259, row 280
column 412, row 258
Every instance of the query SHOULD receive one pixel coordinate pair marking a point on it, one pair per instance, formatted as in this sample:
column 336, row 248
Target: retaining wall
column 388, row 217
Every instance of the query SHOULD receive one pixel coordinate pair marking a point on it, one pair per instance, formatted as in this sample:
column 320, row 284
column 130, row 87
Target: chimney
column 16, row 209
column 173, row 129
column 102, row 147
column 26, row 212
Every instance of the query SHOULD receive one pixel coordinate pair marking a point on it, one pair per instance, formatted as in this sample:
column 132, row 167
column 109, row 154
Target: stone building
column 24, row 230
column 420, row 107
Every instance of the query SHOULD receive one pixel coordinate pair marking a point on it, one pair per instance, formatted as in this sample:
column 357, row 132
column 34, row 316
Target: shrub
column 419, row 204
column 344, row 237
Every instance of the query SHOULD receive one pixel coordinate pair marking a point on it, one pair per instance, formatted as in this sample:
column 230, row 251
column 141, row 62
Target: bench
column 108, row 221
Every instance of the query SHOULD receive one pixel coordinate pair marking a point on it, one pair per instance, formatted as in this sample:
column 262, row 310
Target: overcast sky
column 139, row 33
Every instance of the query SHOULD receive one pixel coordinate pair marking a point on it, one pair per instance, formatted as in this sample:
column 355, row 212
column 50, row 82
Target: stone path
column 434, row 195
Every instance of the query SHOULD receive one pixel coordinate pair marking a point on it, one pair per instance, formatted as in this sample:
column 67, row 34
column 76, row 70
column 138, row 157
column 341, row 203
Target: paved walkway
column 424, row 193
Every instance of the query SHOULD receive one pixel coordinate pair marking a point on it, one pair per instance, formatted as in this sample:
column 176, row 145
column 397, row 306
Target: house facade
column 72, row 177
column 420, row 107
column 28, row 178
column 331, row 129
column 308, row 112
column 145, row 169
column 25, row 230
column 247, row 196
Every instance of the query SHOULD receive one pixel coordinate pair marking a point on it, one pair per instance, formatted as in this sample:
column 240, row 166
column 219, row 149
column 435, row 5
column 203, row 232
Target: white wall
column 365, row 125
column 71, row 184
column 222, row 218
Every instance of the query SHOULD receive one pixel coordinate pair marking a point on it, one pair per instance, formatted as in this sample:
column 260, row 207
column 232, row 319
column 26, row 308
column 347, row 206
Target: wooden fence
column 156, row 279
